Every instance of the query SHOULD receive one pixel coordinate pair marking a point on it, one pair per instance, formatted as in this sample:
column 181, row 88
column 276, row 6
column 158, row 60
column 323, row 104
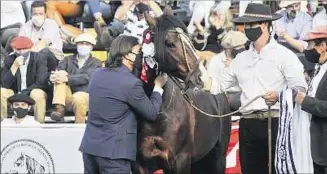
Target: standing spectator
column 45, row 35
column 265, row 68
column 320, row 18
column 10, row 25
column 21, row 105
column 72, row 79
column 220, row 23
column 25, row 72
column 116, row 99
column 233, row 44
column 315, row 102
column 129, row 20
column 294, row 25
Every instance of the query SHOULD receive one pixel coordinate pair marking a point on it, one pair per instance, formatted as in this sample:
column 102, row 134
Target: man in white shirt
column 45, row 35
column 21, row 105
column 265, row 69
column 321, row 17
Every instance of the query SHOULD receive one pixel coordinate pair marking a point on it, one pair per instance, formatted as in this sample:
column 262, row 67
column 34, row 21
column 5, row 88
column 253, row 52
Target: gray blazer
column 317, row 106
column 116, row 99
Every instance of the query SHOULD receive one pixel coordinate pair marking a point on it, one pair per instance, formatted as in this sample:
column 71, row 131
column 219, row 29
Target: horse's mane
column 165, row 23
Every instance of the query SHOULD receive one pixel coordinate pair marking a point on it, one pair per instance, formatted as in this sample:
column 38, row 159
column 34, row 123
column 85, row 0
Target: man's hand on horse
column 161, row 80
column 271, row 97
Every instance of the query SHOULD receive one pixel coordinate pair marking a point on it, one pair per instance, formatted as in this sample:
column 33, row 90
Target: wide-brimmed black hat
column 21, row 98
column 257, row 13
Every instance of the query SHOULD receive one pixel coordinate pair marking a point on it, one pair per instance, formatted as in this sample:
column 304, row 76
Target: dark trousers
column 253, row 137
column 99, row 165
column 52, row 61
column 318, row 169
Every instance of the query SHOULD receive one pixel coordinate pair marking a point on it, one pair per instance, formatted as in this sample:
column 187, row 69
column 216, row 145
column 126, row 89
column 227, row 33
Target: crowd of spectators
column 33, row 62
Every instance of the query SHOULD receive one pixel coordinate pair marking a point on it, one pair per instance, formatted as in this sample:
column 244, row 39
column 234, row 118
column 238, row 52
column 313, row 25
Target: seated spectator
column 26, row 72
column 233, row 44
column 10, row 25
column 294, row 25
column 321, row 17
column 59, row 9
column 71, row 80
column 21, row 105
column 45, row 35
column 129, row 20
column 221, row 22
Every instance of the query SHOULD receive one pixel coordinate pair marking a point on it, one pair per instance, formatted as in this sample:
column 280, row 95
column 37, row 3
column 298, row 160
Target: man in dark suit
column 116, row 98
column 26, row 72
column 315, row 102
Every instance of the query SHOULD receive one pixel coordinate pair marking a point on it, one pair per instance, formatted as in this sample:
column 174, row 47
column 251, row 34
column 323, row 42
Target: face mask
column 253, row 34
column 312, row 55
column 38, row 20
column 291, row 14
column 25, row 55
column 235, row 52
column 84, row 50
column 20, row 112
column 325, row 6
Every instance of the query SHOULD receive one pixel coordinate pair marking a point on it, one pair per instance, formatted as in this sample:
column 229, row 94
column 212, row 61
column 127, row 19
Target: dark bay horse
column 182, row 140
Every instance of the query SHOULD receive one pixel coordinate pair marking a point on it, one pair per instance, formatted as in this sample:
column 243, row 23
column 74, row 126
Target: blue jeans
column 94, row 6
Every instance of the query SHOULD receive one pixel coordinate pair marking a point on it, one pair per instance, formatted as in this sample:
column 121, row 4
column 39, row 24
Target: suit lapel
column 322, row 84
column 29, row 69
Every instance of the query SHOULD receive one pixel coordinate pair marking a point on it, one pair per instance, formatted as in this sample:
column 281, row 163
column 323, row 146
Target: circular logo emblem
column 26, row 156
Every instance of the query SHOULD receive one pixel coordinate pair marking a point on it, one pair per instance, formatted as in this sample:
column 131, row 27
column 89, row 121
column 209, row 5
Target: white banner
column 44, row 149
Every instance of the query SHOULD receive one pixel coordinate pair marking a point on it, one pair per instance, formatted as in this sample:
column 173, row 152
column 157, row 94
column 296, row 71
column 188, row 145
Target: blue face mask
column 84, row 50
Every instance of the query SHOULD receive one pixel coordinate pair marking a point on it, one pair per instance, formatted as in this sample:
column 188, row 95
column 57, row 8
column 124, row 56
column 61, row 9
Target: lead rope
column 225, row 115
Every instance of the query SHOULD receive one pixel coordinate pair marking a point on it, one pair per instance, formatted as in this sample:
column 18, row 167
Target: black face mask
column 235, row 52
column 253, row 34
column 138, row 62
column 312, row 55
column 291, row 14
column 20, row 112
column 325, row 6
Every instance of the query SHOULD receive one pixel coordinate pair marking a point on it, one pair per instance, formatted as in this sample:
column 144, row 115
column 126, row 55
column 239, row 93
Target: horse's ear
column 151, row 20
column 168, row 10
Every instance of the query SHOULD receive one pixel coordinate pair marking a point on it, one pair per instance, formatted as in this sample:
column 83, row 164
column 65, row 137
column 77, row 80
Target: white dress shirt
column 217, row 66
column 49, row 30
column 28, row 120
column 11, row 13
column 316, row 80
column 270, row 70
column 320, row 19
column 23, row 73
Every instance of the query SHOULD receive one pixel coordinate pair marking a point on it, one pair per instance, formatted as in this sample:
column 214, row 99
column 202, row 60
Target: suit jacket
column 116, row 97
column 317, row 106
column 36, row 75
column 78, row 78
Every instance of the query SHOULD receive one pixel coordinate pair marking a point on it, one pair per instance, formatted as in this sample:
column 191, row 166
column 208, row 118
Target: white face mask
column 84, row 50
column 38, row 20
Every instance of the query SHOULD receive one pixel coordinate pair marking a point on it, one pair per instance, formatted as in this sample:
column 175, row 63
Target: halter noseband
column 185, row 42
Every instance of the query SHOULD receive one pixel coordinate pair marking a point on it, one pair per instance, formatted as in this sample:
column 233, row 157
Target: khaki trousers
column 78, row 102
column 37, row 94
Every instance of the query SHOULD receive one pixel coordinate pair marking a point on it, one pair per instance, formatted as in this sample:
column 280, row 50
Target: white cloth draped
column 293, row 152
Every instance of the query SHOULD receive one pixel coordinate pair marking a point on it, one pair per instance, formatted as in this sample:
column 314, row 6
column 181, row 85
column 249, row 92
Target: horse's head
column 175, row 53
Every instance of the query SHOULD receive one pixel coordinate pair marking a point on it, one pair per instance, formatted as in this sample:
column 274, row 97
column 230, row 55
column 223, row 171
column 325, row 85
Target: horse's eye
column 170, row 44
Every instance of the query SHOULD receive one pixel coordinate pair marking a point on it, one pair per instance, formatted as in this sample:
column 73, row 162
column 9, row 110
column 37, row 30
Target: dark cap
column 21, row 98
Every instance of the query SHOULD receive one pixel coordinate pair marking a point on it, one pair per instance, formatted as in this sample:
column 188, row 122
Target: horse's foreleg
column 183, row 164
